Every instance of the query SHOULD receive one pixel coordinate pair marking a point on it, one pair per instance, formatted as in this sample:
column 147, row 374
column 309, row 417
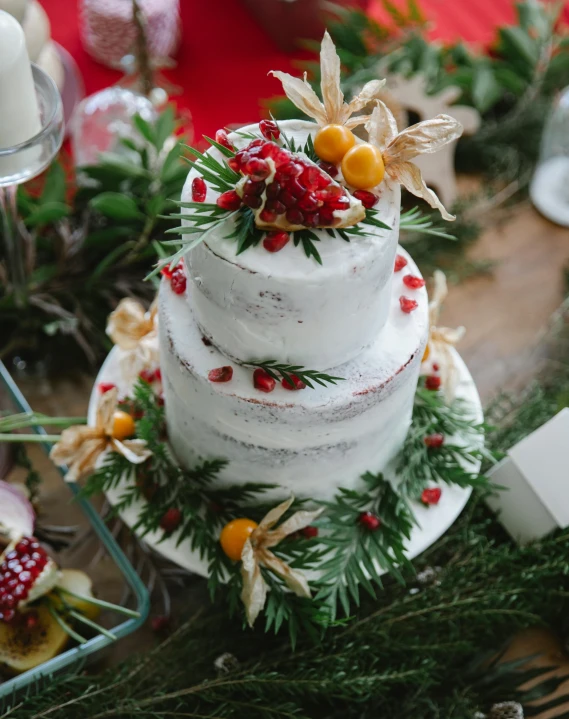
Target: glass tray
column 17, row 688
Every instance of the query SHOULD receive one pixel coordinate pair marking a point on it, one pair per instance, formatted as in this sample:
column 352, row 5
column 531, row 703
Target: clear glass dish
column 16, row 688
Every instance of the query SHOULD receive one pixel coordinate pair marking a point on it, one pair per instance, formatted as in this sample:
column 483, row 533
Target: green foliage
column 280, row 371
column 84, row 252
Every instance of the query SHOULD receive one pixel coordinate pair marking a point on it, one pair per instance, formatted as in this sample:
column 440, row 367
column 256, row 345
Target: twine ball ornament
column 506, row 710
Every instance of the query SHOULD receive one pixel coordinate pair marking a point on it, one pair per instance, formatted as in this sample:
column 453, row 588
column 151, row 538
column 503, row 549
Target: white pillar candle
column 17, row 8
column 19, row 111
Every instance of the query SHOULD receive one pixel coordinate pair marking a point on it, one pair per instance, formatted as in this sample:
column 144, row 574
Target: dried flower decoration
column 442, row 339
column 398, row 148
column 80, row 447
column 256, row 554
column 332, row 110
column 135, row 332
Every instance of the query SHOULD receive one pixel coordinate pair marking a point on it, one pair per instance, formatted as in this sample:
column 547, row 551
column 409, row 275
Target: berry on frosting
column 222, row 139
column 171, row 520
column 199, row 189
column 263, row 381
column 433, row 382
column 275, row 241
column 328, row 168
column 298, row 383
column 408, row 305
column 229, row 200
column 431, row 495
column 269, row 129
column 413, row 283
column 221, row 374
column 368, row 199
column 178, row 280
column 400, row 263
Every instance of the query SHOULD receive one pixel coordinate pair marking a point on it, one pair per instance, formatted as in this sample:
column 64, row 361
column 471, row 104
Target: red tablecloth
column 225, row 56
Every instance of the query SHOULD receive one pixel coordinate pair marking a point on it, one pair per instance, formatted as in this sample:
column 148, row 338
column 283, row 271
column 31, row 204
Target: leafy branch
column 280, row 371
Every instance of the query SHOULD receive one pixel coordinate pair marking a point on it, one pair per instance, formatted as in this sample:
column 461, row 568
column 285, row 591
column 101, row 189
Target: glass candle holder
column 549, row 188
column 21, row 163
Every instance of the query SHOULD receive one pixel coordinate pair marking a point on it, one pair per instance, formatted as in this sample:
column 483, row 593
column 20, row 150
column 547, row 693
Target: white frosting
column 309, row 442
column 284, row 306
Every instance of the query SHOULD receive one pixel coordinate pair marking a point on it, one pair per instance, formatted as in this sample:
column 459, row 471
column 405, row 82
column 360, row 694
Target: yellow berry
column 123, row 425
column 332, row 142
column 363, row 166
column 426, row 353
column 234, row 535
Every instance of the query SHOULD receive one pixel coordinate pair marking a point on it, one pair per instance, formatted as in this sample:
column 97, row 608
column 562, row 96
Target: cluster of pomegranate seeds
column 229, row 200
column 221, row 374
column 408, row 305
column 269, row 129
column 263, row 381
column 368, row 199
column 275, row 241
column 433, row 382
column 199, row 189
column 106, row 387
column 171, row 520
column 298, row 383
column 18, row 572
column 413, row 283
column 369, row 521
column 434, row 441
column 400, row 263
column 151, row 375
column 177, row 278
column 431, row 495
column 300, row 190
column 222, row 139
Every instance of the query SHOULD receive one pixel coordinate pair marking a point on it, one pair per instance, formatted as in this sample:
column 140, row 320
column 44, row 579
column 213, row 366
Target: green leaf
column 55, row 185
column 519, row 47
column 47, row 213
column 172, row 163
column 116, row 206
column 486, row 90
column 145, row 129
column 164, row 127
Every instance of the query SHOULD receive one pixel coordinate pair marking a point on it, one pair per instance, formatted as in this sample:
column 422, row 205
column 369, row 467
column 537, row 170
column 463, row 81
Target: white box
column 536, row 476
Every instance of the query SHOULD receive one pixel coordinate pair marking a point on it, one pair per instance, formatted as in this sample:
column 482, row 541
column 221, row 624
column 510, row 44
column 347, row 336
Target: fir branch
column 307, row 238
column 415, row 221
column 246, row 233
column 280, row 371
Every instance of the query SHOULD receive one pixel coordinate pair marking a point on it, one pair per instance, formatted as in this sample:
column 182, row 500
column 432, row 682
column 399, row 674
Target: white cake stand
column 433, row 521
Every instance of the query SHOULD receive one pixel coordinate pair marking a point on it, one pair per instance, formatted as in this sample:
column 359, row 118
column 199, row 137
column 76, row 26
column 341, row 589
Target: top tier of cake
column 260, row 305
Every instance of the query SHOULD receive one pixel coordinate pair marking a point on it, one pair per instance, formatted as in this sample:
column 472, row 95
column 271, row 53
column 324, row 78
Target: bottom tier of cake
column 308, row 442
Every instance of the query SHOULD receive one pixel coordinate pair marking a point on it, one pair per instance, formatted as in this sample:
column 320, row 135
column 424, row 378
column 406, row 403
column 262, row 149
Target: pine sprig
column 415, row 221
column 279, row 371
column 245, row 233
column 357, row 556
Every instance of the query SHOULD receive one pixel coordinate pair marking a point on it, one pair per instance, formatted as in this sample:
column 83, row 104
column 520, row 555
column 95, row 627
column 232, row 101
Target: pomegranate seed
column 368, row 199
column 252, row 201
column 106, row 387
column 408, row 305
column 413, row 283
column 298, row 383
column 178, row 281
column 434, row 441
column 199, row 189
column 221, row 374
column 160, row 623
column 433, row 382
column 257, row 169
column 158, row 375
column 312, row 219
column 275, row 206
column 329, row 168
column 295, row 187
column 338, row 203
column 287, row 199
column 327, row 217
column 257, row 143
column 269, row 149
column 310, row 532
column 400, row 263
column 330, row 193
column 431, row 495
column 171, row 520
column 273, row 190
column 291, row 170
column 268, row 216
column 234, row 164
column 147, row 375
column 369, row 521
column 309, row 202
column 222, row 139
column 435, row 367
column 295, row 217
column 310, row 177
column 269, row 129
column 263, row 381
column 253, row 188
column 275, row 241
column 229, row 200
column 7, row 615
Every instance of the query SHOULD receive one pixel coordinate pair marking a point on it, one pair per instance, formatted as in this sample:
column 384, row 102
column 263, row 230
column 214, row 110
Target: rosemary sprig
column 280, row 371
column 415, row 221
